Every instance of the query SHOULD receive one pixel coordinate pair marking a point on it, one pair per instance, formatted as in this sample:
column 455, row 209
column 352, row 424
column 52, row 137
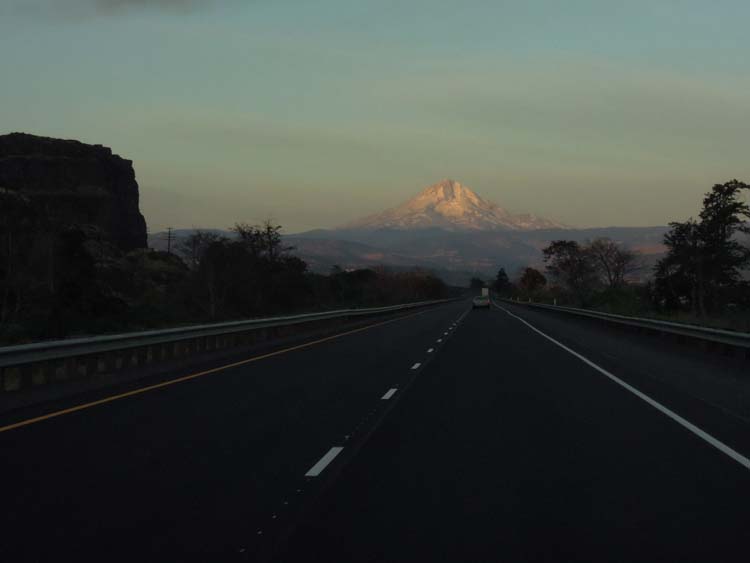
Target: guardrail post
column 127, row 359
column 68, row 370
column 80, row 370
column 110, row 362
column 116, row 360
column 91, row 366
column 27, row 376
column 11, row 378
column 38, row 374
column 141, row 355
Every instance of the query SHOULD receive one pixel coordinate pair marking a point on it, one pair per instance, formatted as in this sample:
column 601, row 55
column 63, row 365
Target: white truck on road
column 482, row 300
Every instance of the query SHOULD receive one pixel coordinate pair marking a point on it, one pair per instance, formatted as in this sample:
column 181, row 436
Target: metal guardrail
column 30, row 365
column 716, row 335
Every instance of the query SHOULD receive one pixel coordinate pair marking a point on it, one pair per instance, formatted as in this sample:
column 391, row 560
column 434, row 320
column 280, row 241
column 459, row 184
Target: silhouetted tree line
column 59, row 279
column 592, row 272
column 703, row 272
column 575, row 272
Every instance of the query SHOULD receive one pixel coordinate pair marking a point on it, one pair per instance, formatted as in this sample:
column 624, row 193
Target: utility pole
column 169, row 240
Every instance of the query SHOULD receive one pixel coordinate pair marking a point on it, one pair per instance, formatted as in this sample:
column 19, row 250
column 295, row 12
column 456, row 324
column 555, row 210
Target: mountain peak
column 453, row 206
column 447, row 186
column 447, row 190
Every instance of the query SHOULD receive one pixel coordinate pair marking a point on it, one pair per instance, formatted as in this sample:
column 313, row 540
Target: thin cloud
column 114, row 6
column 76, row 10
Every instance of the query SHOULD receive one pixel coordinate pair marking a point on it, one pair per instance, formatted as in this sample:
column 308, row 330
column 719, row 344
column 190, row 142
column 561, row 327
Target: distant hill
column 475, row 252
column 454, row 256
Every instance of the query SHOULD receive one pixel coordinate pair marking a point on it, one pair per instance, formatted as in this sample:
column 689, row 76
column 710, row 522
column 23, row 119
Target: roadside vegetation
column 59, row 280
column 702, row 278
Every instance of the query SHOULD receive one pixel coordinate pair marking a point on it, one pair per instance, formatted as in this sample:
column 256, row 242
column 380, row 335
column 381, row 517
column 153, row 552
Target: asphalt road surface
column 447, row 435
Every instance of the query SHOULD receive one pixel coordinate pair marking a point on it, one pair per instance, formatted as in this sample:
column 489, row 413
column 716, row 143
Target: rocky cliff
column 73, row 183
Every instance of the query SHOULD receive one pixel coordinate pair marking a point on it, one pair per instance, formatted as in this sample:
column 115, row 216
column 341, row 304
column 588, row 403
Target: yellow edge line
column 193, row 376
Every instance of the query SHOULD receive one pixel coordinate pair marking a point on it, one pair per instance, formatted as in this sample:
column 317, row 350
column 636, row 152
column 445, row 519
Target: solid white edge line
column 318, row 468
column 388, row 394
column 703, row 435
column 416, row 366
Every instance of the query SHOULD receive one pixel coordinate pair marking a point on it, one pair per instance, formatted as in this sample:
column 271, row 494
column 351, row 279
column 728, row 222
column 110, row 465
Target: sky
column 313, row 113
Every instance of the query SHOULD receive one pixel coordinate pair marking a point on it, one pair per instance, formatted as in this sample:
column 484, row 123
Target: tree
column 572, row 267
column 532, row 280
column 704, row 259
column 502, row 283
column 722, row 256
column 221, row 265
column 193, row 248
column 676, row 275
column 16, row 224
column 613, row 261
column 262, row 241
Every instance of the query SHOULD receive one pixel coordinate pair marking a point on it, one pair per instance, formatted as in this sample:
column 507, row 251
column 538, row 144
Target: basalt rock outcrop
column 72, row 183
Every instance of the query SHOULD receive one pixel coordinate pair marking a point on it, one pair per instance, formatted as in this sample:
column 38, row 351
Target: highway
column 449, row 434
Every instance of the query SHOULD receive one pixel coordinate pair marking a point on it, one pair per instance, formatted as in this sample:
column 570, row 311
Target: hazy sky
column 314, row 112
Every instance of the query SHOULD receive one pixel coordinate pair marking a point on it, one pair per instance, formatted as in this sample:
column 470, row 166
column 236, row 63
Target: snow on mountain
column 452, row 206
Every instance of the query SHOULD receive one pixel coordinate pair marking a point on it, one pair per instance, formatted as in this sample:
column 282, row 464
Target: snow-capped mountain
column 450, row 230
column 451, row 206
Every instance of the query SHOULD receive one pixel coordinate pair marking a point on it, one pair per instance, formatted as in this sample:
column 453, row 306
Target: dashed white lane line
column 318, row 468
column 389, row 394
column 331, row 454
column 705, row 436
